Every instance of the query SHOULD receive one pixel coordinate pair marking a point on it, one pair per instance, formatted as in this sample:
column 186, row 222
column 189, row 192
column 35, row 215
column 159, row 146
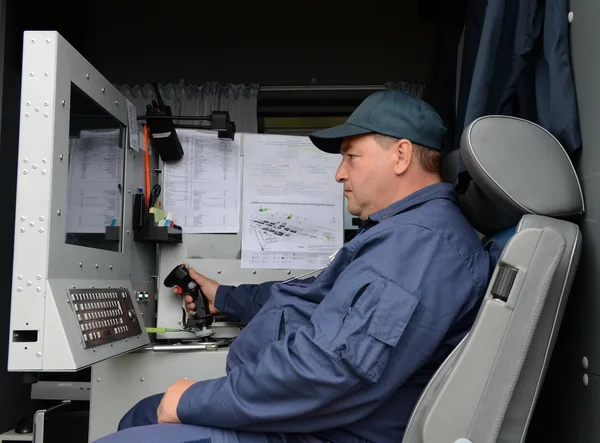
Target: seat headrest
column 517, row 167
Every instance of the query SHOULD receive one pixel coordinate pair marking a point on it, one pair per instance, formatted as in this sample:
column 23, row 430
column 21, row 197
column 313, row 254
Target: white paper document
column 202, row 189
column 134, row 131
column 292, row 205
column 94, row 187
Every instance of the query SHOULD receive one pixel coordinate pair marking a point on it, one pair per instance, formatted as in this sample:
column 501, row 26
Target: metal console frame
column 45, row 267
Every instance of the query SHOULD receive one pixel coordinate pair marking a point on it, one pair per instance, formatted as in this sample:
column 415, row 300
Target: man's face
column 367, row 172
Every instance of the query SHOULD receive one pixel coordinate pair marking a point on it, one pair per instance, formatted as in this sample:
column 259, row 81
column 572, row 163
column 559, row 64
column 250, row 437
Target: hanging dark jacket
column 521, row 66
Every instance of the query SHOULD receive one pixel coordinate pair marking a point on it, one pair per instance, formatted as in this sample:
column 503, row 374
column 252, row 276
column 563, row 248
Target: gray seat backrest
column 486, row 390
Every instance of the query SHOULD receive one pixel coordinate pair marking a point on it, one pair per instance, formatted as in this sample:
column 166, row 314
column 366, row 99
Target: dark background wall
column 570, row 402
column 331, row 42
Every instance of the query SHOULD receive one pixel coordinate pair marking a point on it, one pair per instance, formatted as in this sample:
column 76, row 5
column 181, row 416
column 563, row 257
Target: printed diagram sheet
column 94, row 187
column 292, row 205
column 201, row 190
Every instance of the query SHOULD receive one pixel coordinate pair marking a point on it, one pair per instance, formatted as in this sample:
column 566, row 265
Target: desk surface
column 14, row 436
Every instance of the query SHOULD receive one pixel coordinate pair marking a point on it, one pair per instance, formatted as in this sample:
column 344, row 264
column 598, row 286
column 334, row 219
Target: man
column 344, row 357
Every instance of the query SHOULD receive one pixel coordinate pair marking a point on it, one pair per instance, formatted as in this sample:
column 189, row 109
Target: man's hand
column 208, row 288
column 167, row 409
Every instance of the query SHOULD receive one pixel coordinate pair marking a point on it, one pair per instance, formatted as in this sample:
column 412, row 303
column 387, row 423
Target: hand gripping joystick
column 180, row 278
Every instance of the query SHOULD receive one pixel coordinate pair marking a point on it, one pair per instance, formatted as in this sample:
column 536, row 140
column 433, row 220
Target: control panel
column 104, row 315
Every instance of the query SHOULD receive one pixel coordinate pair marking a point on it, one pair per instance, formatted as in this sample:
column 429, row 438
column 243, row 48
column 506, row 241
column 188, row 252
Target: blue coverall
column 343, row 357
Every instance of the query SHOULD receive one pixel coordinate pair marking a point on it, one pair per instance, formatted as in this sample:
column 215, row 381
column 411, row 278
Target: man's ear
column 404, row 151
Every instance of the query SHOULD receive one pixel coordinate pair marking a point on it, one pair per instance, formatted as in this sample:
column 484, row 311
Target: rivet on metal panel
column 27, row 103
column 38, row 277
column 98, row 379
column 46, row 74
column 218, row 271
column 34, row 166
column 92, row 286
column 103, row 90
column 41, row 218
column 46, row 104
column 31, row 74
column 80, row 264
column 570, row 17
column 129, row 191
column 32, row 40
column 28, row 283
column 288, row 272
column 110, row 267
column 25, row 160
column 254, row 272
column 97, row 265
column 61, row 157
column 41, row 230
column 47, row 40
column 87, row 76
column 37, row 109
column 46, row 114
column 32, row 224
column 20, row 277
column 127, row 232
column 43, row 160
column 584, row 362
column 585, row 379
column 22, row 218
column 39, row 354
column 38, row 289
column 19, row 289
column 59, row 212
column 22, row 230
column 108, row 286
column 117, row 102
column 63, row 103
column 73, row 286
column 27, row 114
column 142, row 379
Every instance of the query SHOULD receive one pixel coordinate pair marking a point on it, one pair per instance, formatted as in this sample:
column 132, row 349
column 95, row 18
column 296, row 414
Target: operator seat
column 522, row 182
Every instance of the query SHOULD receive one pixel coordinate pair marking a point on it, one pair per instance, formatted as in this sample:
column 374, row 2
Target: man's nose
column 341, row 175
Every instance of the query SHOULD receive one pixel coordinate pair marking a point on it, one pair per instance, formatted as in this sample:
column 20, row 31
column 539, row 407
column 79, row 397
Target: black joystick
column 180, row 278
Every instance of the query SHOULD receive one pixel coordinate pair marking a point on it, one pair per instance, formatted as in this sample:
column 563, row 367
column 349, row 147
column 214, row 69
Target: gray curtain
column 201, row 100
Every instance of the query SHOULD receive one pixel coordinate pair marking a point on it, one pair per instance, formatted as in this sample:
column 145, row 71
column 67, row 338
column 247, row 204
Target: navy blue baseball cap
column 390, row 112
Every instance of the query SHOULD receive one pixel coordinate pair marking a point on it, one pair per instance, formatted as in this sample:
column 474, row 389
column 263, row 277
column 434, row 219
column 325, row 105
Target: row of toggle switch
column 99, row 315
column 97, row 296
column 97, row 305
column 100, row 334
column 101, row 324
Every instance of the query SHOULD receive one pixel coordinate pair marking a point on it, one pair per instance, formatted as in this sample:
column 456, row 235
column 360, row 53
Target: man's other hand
column 167, row 409
column 209, row 289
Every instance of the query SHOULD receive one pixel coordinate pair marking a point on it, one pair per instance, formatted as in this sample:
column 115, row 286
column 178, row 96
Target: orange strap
column 147, row 161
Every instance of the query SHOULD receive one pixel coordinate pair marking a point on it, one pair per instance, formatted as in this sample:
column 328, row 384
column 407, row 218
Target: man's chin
column 353, row 212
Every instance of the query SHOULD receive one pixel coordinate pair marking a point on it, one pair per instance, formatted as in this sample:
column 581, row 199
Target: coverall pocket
column 374, row 327
column 269, row 329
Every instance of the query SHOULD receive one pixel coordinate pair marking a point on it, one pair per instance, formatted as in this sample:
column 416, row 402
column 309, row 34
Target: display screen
column 96, row 171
